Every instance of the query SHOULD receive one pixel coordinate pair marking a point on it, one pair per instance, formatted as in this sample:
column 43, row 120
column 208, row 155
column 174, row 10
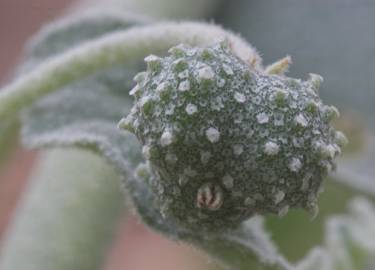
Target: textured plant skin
column 226, row 141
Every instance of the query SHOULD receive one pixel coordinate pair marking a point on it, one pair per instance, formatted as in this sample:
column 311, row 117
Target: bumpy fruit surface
column 224, row 141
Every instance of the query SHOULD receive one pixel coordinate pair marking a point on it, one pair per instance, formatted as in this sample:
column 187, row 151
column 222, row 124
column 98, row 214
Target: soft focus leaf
column 64, row 34
column 350, row 238
column 318, row 258
column 86, row 113
column 8, row 137
column 68, row 216
column 355, row 130
column 248, row 247
column 289, row 232
column 349, row 241
column 358, row 171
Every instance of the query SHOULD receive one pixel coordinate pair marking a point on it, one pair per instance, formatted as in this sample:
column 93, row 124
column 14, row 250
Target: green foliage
column 79, row 114
column 62, row 35
column 289, row 233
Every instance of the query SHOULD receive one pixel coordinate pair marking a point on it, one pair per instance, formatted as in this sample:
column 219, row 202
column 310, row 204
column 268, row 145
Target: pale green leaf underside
column 58, row 37
column 64, row 34
column 84, row 113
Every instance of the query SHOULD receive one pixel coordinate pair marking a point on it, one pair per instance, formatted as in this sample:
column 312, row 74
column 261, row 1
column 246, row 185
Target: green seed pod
column 225, row 141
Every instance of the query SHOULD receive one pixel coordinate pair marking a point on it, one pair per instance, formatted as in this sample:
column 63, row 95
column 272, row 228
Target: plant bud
column 225, row 141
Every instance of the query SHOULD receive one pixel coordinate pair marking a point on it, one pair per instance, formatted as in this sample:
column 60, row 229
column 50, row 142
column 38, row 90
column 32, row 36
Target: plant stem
column 119, row 47
column 68, row 215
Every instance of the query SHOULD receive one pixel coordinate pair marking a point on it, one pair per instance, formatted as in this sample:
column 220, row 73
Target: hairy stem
column 67, row 218
column 119, row 47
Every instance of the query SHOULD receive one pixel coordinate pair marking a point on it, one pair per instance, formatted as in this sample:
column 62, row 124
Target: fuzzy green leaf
column 57, row 37
column 110, row 50
column 68, row 216
column 83, row 114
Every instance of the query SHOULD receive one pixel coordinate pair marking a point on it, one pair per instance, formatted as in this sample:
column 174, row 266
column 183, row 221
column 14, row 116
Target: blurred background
column 335, row 38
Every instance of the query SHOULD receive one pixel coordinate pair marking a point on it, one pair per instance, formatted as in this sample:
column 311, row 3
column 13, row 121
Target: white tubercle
column 262, row 118
column 191, row 109
column 161, row 87
column 300, row 120
column 279, row 196
column 146, row 151
column 228, row 70
column 151, row 58
column 166, row 138
column 237, row 149
column 184, row 74
column 228, row 181
column 271, row 148
column 205, row 157
column 239, row 97
column 213, row 135
column 205, row 73
column 184, row 86
column 295, row 164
